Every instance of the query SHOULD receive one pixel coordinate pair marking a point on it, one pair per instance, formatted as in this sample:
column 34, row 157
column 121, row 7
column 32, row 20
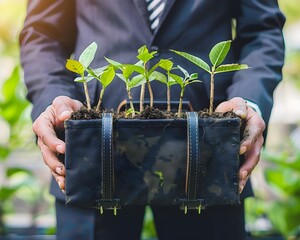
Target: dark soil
column 83, row 113
column 148, row 113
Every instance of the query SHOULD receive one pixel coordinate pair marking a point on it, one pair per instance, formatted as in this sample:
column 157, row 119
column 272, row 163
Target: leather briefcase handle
column 108, row 182
column 193, row 166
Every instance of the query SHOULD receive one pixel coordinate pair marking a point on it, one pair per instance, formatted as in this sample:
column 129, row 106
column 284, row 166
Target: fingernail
column 59, row 170
column 241, row 187
column 244, row 174
column 240, row 113
column 59, row 148
column 243, row 149
column 65, row 114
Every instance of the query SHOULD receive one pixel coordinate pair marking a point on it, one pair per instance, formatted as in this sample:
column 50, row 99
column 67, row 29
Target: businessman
column 56, row 29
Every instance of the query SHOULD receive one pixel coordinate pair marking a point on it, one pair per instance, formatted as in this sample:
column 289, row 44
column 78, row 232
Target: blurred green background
column 27, row 208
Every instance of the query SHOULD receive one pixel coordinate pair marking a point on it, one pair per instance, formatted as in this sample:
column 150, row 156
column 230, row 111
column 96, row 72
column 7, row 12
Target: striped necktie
column 155, row 9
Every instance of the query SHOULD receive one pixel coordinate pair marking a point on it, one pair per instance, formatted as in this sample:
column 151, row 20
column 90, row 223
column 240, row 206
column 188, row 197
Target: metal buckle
column 186, row 205
column 108, row 204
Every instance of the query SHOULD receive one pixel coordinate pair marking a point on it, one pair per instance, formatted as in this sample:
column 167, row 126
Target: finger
column 51, row 159
column 242, row 184
column 251, row 160
column 60, row 180
column 237, row 105
column 64, row 106
column 255, row 126
column 43, row 127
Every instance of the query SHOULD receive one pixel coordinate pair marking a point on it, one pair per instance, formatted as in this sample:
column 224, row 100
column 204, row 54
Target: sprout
column 81, row 66
column 183, row 82
column 217, row 55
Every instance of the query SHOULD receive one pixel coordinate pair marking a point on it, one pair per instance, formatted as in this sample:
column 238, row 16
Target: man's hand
column 252, row 140
column 45, row 127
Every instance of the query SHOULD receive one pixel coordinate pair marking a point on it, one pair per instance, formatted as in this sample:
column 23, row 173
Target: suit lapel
column 142, row 10
column 169, row 5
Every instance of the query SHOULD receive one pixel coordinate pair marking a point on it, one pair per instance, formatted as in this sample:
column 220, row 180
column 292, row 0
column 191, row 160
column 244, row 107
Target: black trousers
column 214, row 223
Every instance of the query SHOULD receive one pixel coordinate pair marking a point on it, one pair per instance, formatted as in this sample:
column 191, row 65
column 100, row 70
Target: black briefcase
column 192, row 162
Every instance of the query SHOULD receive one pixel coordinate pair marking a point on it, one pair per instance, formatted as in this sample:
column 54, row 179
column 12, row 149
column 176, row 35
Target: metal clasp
column 108, row 204
column 186, row 205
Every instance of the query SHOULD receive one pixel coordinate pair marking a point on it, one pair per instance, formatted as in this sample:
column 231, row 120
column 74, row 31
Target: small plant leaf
column 166, row 64
column 191, row 81
column 163, row 63
column 85, row 79
column 137, row 81
column 79, row 79
column 193, row 76
column 88, row 54
column 75, row 66
column 107, row 76
column 97, row 71
column 197, row 61
column 171, row 81
column 219, row 52
column 130, row 111
column 231, row 67
column 128, row 70
column 119, row 75
column 185, row 73
column 158, row 76
column 176, row 78
column 144, row 55
column 114, row 63
column 135, row 68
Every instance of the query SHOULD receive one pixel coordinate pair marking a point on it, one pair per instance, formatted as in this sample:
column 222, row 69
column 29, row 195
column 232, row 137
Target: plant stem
column 100, row 99
column 180, row 103
column 168, row 99
column 131, row 102
column 150, row 93
column 142, row 96
column 212, row 90
column 88, row 100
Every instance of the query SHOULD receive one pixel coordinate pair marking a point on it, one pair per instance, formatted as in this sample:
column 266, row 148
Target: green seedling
column 167, row 65
column 105, row 76
column 80, row 67
column 127, row 71
column 217, row 55
column 183, row 82
column 149, row 74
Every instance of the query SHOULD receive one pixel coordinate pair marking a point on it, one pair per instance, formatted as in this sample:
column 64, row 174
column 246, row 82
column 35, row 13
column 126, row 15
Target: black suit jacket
column 55, row 29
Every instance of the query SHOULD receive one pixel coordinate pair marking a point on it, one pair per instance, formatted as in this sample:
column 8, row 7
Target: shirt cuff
column 254, row 106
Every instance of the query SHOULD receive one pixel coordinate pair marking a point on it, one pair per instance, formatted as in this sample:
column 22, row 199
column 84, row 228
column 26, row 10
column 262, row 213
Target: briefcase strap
column 193, row 168
column 108, row 182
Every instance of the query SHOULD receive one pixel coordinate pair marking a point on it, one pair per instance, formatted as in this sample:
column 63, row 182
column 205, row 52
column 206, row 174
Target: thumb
column 64, row 106
column 238, row 105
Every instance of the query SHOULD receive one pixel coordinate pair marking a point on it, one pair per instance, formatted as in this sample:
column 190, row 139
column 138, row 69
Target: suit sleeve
column 259, row 43
column 46, row 41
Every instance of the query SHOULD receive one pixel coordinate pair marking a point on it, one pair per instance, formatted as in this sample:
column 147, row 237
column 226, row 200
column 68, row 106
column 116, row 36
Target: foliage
column 80, row 67
column 217, row 55
column 145, row 56
column 183, row 82
column 138, row 74
column 15, row 123
column 130, row 81
column 283, row 178
column 12, row 107
column 291, row 9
